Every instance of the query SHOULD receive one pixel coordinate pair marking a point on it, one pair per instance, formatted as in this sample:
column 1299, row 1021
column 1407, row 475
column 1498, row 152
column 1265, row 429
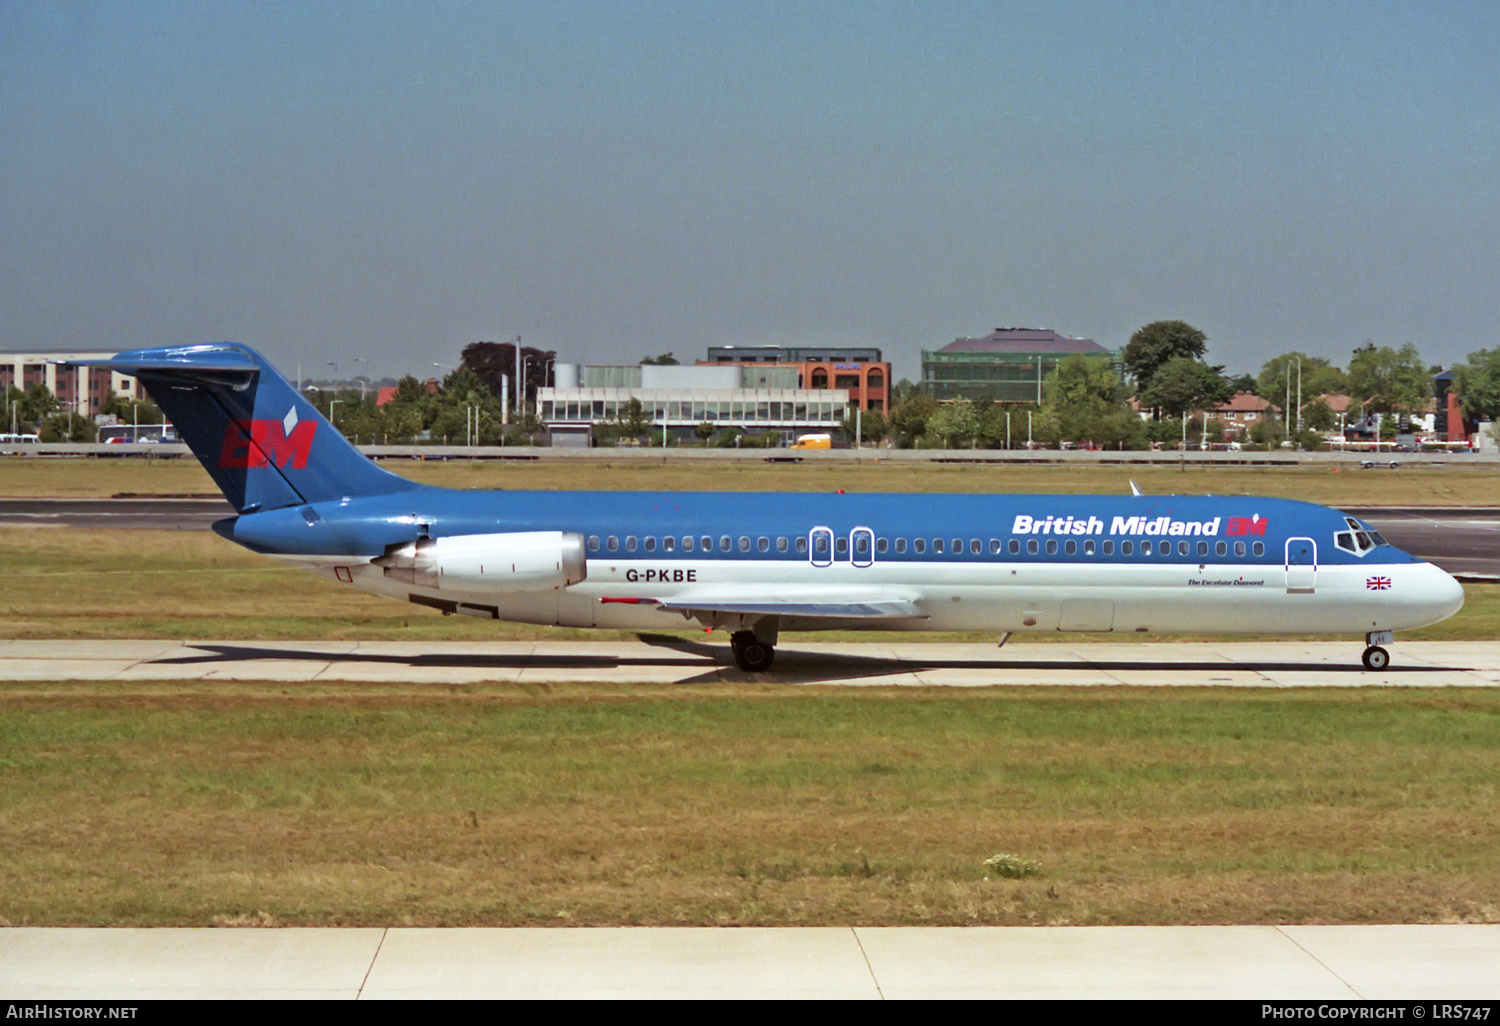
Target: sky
column 376, row 185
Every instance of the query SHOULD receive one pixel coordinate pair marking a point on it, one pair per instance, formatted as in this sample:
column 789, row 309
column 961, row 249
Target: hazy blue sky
column 614, row 180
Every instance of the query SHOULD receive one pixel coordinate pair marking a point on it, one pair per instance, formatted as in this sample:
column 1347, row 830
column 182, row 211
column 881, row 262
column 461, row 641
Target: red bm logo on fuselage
column 1247, row 526
column 259, row 443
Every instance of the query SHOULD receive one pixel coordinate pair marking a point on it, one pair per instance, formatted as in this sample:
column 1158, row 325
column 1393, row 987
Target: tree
column 1319, row 377
column 1477, row 383
column 1085, row 402
column 634, row 421
column 493, row 361
column 705, row 431
column 871, row 424
column 1389, row 380
column 955, row 423
column 1153, row 345
column 908, row 421
column 664, row 360
column 1182, row 385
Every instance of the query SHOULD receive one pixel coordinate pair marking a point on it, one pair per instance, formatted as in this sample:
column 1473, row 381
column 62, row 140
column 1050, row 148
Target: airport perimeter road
column 678, row 660
column 1258, row 963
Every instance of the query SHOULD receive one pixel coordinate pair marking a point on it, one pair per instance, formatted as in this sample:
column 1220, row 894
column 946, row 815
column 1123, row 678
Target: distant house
column 1244, row 411
column 387, row 393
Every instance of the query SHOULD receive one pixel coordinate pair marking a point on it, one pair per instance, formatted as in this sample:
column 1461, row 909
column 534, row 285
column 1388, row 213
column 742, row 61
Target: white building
column 682, row 397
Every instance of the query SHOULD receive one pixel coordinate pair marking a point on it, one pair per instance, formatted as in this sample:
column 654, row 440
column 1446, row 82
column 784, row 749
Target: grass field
column 270, row 804
column 218, row 803
column 195, row 585
column 1439, row 485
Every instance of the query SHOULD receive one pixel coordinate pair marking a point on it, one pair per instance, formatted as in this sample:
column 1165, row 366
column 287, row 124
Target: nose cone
column 1438, row 596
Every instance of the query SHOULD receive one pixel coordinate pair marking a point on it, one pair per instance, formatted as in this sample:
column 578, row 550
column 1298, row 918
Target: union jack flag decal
column 1377, row 583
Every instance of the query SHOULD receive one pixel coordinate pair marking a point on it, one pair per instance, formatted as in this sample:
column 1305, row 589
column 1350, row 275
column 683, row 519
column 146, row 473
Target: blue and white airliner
column 759, row 564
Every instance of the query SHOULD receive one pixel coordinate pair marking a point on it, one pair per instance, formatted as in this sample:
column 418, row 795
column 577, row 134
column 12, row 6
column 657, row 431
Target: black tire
column 753, row 656
column 1376, row 658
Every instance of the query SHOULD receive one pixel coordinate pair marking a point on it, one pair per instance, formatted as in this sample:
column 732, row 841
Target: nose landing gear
column 1375, row 657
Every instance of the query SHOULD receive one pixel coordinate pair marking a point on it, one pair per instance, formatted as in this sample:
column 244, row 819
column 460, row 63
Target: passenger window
column 919, row 545
column 744, row 544
column 1145, row 548
column 958, row 547
column 1109, row 548
column 1260, row 548
column 1051, row 546
column 1221, row 548
column 707, row 543
column 1071, row 547
column 668, row 543
column 1088, row 547
column 630, row 543
column 762, row 545
column 1014, row 546
column 723, row 543
column 801, row 544
column 881, row 545
column 649, row 544
column 842, row 545
column 593, row 543
column 1239, row 548
column 613, row 543
column 820, row 545
column 1182, row 548
column 781, row 544
column 862, row 545
column 976, row 547
column 937, row 546
column 687, row 543
column 1127, row 548
column 994, row 546
column 900, row 545
column 1031, row 546
column 1203, row 549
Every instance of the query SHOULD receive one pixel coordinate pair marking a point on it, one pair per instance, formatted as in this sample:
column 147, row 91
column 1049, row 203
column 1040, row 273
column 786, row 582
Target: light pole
column 1299, row 392
column 363, row 382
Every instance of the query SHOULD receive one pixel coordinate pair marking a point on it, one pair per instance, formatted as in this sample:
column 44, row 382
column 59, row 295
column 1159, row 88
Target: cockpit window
column 1357, row 540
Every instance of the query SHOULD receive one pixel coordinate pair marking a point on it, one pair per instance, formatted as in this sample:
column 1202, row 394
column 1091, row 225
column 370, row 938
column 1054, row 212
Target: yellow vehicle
column 813, row 442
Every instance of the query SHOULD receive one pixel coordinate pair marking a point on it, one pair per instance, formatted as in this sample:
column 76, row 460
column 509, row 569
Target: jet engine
column 485, row 563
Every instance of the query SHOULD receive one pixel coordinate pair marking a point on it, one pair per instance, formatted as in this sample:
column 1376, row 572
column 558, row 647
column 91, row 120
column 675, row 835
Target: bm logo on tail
column 259, row 443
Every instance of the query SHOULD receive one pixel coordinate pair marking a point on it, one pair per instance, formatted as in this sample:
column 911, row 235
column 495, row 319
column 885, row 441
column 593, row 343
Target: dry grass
column 589, row 805
column 1442, row 485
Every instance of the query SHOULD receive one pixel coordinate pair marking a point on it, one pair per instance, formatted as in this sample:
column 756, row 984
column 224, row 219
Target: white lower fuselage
column 1170, row 598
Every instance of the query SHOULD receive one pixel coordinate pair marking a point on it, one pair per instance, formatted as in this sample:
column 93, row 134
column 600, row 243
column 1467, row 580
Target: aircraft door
column 1301, row 565
column 820, row 546
column 862, row 546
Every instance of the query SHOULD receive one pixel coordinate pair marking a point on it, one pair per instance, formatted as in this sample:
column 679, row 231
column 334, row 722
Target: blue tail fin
column 265, row 446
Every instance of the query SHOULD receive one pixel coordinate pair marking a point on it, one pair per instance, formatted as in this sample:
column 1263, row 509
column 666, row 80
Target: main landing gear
column 751, row 654
column 1375, row 657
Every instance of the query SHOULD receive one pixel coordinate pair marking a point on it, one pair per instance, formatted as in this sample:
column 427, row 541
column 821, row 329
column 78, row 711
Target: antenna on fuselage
column 1134, row 490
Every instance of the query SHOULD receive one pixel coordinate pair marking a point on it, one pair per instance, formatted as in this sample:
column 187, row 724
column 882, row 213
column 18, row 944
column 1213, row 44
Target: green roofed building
column 1007, row 365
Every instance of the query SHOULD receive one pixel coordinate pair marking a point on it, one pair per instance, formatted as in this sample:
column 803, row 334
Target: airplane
column 759, row 564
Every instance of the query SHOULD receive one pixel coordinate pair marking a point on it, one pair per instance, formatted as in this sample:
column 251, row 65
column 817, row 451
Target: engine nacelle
column 484, row 563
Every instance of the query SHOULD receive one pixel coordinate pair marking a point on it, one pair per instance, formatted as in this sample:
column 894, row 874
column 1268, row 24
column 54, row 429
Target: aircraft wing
column 840, row 603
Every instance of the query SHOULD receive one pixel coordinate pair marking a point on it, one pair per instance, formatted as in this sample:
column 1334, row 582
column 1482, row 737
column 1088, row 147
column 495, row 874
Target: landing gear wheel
column 1376, row 658
column 751, row 655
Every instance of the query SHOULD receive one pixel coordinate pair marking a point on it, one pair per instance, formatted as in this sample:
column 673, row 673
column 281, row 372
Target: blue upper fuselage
column 914, row 527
